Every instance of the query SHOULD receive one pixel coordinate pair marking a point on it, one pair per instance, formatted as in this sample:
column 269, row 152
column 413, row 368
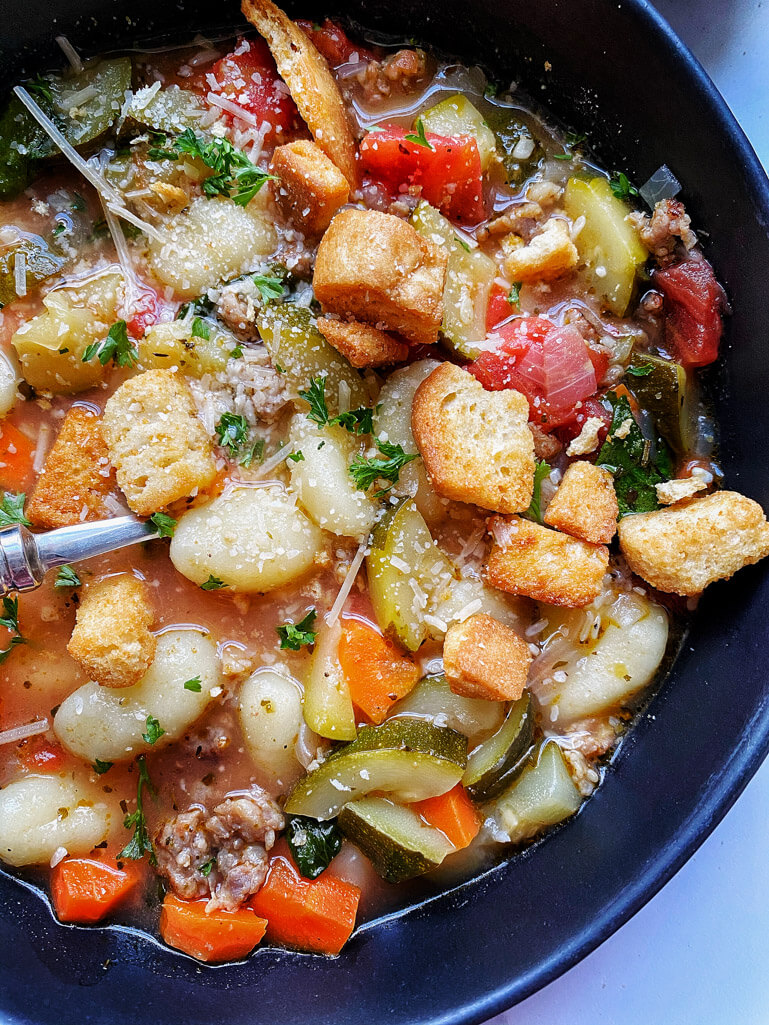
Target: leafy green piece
column 642, row 371
column 461, row 242
column 67, row 577
column 294, row 636
column 235, row 176
column 205, row 870
column 212, row 584
column 140, row 843
column 316, row 396
column 40, row 88
column 418, row 137
column 313, row 844
column 166, row 525
column 232, row 431
column 575, row 139
column 255, row 453
column 100, row 767
column 541, row 470
column 366, row 471
column 237, row 352
column 12, row 510
column 154, row 730
column 296, row 457
column 200, row 329
column 117, row 346
column 629, row 459
column 269, row 287
column 199, row 307
column 514, row 295
column 563, row 156
column 10, row 620
column 194, row 685
column 356, row 421
column 621, row 186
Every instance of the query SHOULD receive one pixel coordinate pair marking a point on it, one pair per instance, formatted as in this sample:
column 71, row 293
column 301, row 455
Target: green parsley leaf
column 12, row 510
column 573, row 139
column 419, row 138
column 67, row 577
column 10, row 617
column 253, row 454
column 622, row 187
column 200, row 329
column 205, row 870
column 365, row 472
column 269, row 287
column 100, row 767
column 296, row 457
column 41, row 87
column 541, row 470
column 59, row 229
column 563, row 156
column 629, row 458
column 116, row 346
column 642, row 371
column 491, row 90
column 199, row 307
column 140, row 843
column 193, row 685
column 316, row 396
column 235, row 176
column 462, row 243
column 313, row 844
column 514, row 295
column 154, row 730
column 356, row 421
column 295, row 635
column 212, row 584
column 232, row 431
column 166, row 525
column 237, row 352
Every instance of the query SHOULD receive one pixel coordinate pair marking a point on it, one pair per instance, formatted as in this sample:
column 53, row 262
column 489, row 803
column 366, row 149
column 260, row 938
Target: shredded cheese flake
column 22, row 732
column 333, row 614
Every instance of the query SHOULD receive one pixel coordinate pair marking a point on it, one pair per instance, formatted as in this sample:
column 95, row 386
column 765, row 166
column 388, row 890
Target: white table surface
column 698, row 953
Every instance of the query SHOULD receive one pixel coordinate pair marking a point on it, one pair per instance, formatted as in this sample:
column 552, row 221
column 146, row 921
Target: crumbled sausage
column 400, row 72
column 661, row 233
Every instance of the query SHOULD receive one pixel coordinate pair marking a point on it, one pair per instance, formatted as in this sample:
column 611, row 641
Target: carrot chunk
column 215, row 936
column 316, row 915
column 16, row 455
column 85, row 890
column 453, row 813
column 378, row 674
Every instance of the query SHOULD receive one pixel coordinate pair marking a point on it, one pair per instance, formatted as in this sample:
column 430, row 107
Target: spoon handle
column 25, row 557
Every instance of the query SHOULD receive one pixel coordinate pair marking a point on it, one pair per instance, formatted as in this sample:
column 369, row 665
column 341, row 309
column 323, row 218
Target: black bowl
column 616, row 71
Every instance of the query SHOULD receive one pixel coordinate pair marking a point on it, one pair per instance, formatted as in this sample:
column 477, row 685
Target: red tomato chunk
column 694, row 302
column 333, row 42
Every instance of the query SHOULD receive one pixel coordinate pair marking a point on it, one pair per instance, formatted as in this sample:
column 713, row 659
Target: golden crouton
column 585, row 504
column 77, row 475
column 686, row 547
column 548, row 255
column 112, row 639
column 378, row 269
column 544, row 564
column 671, row 491
column 310, row 188
column 476, row 444
column 157, row 443
column 362, row 345
column 483, row 658
column 309, row 81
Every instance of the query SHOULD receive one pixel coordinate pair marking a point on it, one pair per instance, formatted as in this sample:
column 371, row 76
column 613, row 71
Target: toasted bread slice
column 585, row 504
column 483, row 658
column 310, row 187
column 361, row 344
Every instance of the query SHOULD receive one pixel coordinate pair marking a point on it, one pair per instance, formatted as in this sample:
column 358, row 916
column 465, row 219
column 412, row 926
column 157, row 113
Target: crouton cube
column 77, row 475
column 476, row 444
column 362, row 345
column 686, row 547
column 156, row 442
column 544, row 564
column 376, row 268
column 548, row 255
column 585, row 504
column 310, row 188
column 483, row 658
column 112, row 639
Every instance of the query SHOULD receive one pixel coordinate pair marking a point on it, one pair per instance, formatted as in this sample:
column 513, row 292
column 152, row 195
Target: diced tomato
column 41, row 754
column 333, row 42
column 499, row 308
column 694, row 303
column 592, row 407
column 249, row 78
column 448, row 171
column 600, row 360
column 146, row 311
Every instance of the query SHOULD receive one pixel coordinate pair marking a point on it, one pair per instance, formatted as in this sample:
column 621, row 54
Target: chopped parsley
column 12, row 510
column 117, row 346
column 514, row 295
column 67, row 577
column 316, row 397
column 199, row 307
column 253, row 454
column 574, row 139
column 10, row 620
column 622, row 187
column 40, row 87
column 235, row 176
column 212, row 584
column 418, row 137
column 296, row 457
column 541, row 470
column 205, row 870
column 356, row 421
column 232, row 431
column 365, row 472
column 313, row 844
column 237, row 352
column 295, row 635
column 193, row 685
column 269, row 287
column 461, row 242
column 200, row 329
column 643, row 371
column 636, row 465
column 154, row 730
column 166, row 525
column 563, row 156
column 59, row 229
column 100, row 767
column 140, row 843
column 491, row 90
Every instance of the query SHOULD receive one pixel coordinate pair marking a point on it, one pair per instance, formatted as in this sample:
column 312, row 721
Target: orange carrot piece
column 453, row 813
column 377, row 672
column 316, row 915
column 215, row 936
column 84, row 890
column 16, row 454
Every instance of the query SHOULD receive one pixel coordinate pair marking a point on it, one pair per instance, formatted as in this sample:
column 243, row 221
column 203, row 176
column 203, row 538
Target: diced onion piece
column 663, row 184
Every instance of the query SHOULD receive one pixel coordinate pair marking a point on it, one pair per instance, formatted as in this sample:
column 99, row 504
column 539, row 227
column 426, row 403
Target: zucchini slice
column 398, row 843
column 434, row 700
column 499, row 760
column 328, row 707
column 410, row 759
column 543, row 795
column 663, row 392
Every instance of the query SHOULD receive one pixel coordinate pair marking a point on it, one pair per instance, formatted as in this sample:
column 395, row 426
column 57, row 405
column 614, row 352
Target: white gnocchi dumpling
column 271, row 718
column 467, row 597
column 322, row 481
column 40, row 814
column 214, row 240
column 108, row 722
column 9, row 379
column 254, row 539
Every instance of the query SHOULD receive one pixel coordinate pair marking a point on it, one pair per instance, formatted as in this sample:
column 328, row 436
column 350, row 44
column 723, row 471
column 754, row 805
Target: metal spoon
column 25, row 558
